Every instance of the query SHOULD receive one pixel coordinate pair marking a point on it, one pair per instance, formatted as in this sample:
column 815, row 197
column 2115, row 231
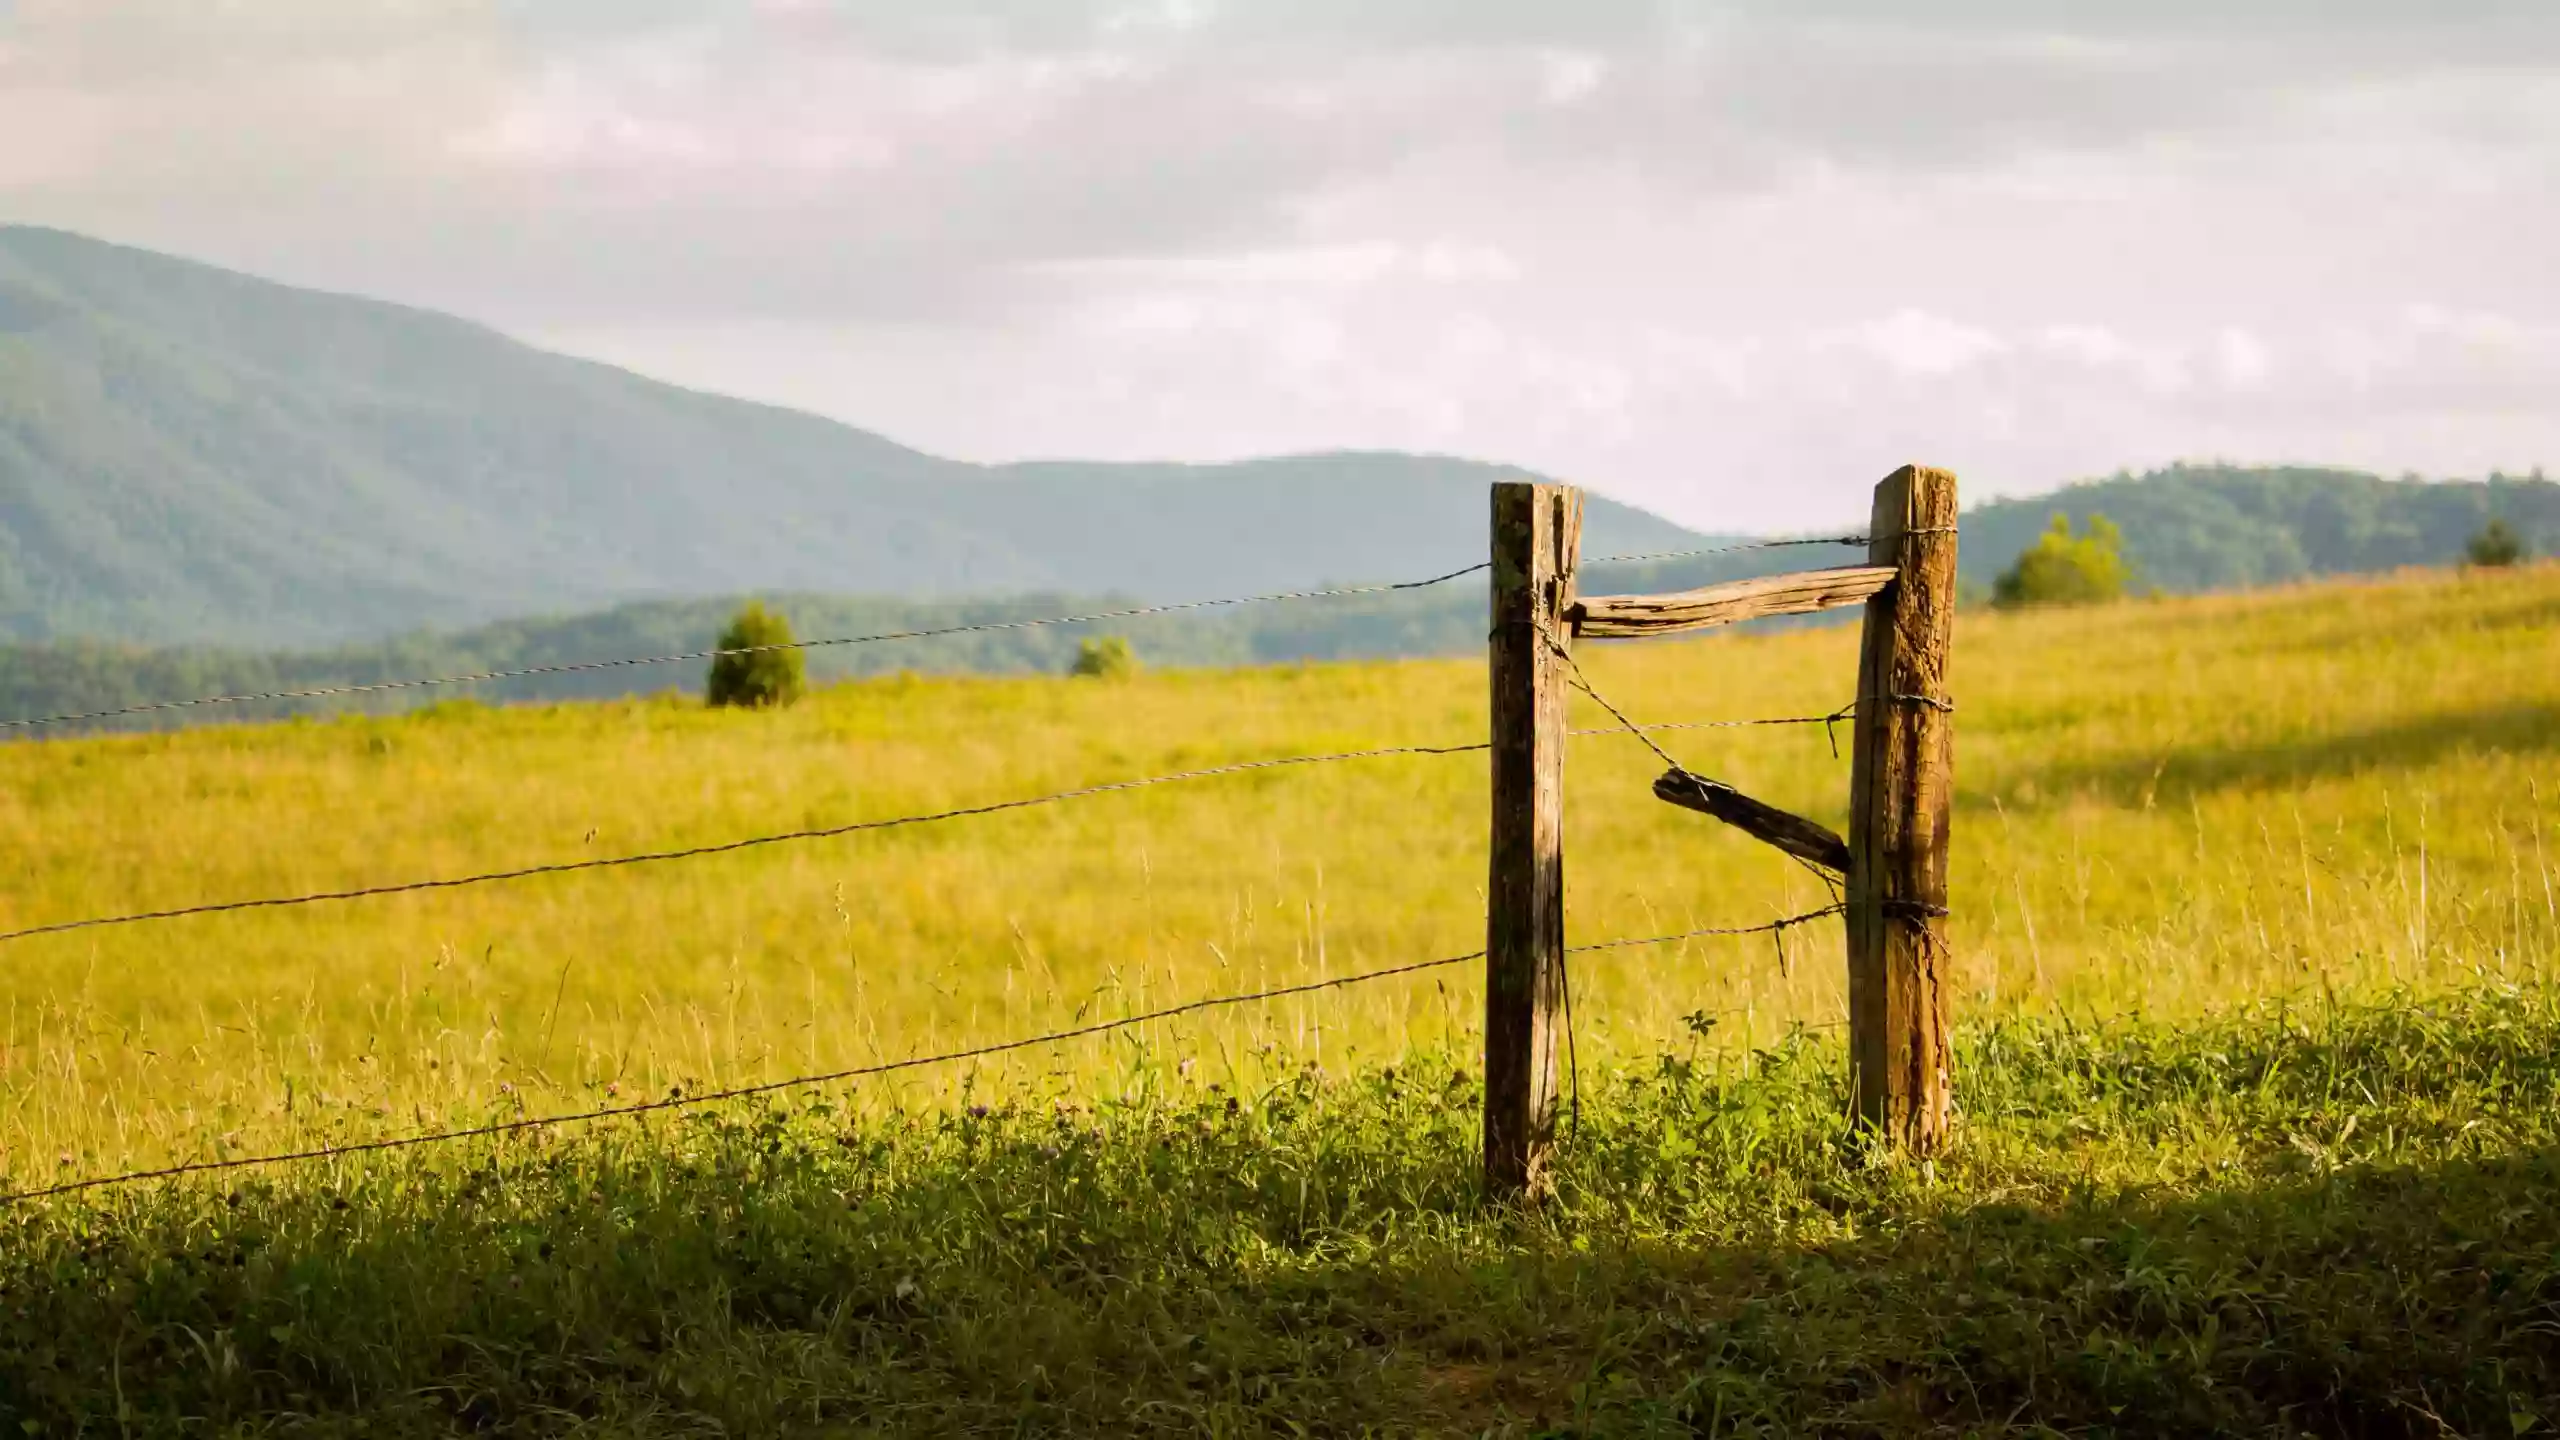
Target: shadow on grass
column 2177, row 774
column 2382, row 1301
column 1313, row 1262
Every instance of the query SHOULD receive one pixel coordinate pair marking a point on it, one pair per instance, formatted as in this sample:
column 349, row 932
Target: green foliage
column 2062, row 568
column 766, row 679
column 1105, row 657
column 2218, row 527
column 2280, row 1223
column 2496, row 546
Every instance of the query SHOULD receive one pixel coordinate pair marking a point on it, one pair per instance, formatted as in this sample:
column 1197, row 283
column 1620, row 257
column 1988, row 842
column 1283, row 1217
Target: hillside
column 2189, row 530
column 86, row 677
column 327, row 489
column 2224, row 527
column 193, row 456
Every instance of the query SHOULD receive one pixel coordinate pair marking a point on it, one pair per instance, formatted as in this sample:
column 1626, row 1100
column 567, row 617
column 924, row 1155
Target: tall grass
column 2164, row 808
column 2254, row 903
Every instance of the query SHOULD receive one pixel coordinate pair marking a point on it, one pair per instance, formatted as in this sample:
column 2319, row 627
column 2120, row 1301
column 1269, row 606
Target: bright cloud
column 1732, row 259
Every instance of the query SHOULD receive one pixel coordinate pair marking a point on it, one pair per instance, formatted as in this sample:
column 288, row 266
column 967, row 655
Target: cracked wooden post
column 1537, row 535
column 1899, row 964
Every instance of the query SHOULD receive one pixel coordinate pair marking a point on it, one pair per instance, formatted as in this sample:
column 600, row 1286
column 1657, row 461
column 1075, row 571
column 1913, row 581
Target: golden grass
column 2166, row 806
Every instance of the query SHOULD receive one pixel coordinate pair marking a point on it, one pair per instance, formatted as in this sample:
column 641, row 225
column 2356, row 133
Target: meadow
column 2254, row 909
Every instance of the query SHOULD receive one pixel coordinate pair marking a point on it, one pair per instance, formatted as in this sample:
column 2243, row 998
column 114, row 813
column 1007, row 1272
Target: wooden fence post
column 1898, row 812
column 1537, row 537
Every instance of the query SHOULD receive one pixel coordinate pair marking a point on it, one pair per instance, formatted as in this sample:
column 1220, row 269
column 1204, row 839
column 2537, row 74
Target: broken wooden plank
column 1620, row 617
column 1794, row 834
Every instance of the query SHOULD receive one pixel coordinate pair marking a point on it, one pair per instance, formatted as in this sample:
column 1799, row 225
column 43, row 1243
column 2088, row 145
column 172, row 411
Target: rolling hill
column 189, row 455
column 2224, row 527
column 210, row 482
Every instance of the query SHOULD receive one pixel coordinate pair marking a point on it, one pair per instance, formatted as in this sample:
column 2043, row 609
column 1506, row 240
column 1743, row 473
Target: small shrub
column 765, row 679
column 1106, row 657
column 2062, row 568
column 2496, row 547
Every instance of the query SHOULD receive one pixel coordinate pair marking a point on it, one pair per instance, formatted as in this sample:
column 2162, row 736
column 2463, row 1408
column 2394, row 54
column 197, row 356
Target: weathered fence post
column 1898, row 811
column 1537, row 536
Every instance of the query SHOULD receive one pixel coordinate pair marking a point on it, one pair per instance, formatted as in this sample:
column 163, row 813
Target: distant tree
column 767, row 678
column 2062, row 568
column 1107, row 657
column 2496, row 546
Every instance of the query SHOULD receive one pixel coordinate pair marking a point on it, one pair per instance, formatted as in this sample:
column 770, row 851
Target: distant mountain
column 214, row 483
column 2217, row 527
column 189, row 455
column 83, row 677
column 2189, row 528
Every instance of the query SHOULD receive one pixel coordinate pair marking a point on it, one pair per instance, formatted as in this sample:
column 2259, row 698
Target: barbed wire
column 678, row 1101
column 1582, row 682
column 1833, row 718
column 695, row 852
column 1727, row 549
column 325, row 692
column 1771, row 927
column 585, row 666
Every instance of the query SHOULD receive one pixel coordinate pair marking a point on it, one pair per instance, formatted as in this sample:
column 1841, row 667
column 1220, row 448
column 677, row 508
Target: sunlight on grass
column 2165, row 808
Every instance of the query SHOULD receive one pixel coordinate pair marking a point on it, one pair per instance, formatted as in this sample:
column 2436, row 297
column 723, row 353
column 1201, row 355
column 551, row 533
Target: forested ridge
column 2186, row 528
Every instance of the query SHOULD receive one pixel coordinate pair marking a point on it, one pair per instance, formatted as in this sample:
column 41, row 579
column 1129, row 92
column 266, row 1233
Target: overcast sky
column 1733, row 261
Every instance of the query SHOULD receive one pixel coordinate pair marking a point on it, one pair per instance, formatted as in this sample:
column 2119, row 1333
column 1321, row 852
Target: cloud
column 863, row 157
column 1658, row 243
column 1914, row 342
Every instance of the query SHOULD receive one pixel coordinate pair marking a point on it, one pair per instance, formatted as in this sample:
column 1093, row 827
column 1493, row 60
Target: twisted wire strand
column 585, row 666
column 1730, row 549
column 1582, row 682
column 742, row 1092
column 726, row 847
column 324, row 692
column 653, row 857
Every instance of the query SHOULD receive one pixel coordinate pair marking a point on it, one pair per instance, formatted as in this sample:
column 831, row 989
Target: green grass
column 2162, row 808
column 2339, row 1221
column 2255, row 927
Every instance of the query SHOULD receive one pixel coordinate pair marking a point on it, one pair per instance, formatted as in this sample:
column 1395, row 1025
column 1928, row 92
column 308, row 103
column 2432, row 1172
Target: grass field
column 2254, row 908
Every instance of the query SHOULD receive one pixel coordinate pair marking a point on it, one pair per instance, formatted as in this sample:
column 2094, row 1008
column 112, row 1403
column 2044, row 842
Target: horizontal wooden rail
column 1623, row 617
column 1794, row 834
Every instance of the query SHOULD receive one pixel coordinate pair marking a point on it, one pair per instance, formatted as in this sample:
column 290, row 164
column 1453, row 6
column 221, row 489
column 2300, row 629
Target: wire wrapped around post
column 1899, row 808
